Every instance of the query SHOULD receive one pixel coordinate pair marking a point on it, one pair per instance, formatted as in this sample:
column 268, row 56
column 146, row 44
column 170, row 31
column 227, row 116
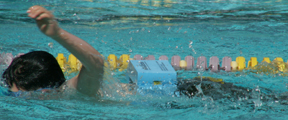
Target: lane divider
column 202, row 64
column 74, row 65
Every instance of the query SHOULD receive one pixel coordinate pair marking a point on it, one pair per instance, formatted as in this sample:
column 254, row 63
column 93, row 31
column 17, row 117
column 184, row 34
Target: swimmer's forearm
column 89, row 57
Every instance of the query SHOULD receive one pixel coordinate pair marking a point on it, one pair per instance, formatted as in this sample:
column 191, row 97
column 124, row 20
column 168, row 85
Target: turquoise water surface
column 251, row 28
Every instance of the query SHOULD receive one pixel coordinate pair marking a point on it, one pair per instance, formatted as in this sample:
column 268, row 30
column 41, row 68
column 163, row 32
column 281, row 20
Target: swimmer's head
column 34, row 70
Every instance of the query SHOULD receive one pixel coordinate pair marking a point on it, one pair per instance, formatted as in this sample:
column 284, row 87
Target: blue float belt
column 148, row 73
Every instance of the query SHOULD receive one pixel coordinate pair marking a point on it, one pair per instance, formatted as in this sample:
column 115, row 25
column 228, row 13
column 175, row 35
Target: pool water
column 251, row 28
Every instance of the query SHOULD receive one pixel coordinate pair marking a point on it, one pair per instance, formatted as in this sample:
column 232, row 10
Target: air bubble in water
column 50, row 45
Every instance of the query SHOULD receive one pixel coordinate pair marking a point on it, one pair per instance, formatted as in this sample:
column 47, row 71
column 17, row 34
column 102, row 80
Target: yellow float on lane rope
column 279, row 59
column 266, row 59
column 280, row 63
column 61, row 61
column 183, row 64
column 252, row 62
column 74, row 64
column 234, row 65
column 241, row 62
column 112, row 59
column 123, row 62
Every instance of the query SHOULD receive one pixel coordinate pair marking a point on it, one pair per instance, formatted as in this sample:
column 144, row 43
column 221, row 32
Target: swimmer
column 39, row 70
column 219, row 90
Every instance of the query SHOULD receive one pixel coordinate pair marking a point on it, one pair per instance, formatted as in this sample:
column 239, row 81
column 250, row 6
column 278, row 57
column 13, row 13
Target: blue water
column 251, row 28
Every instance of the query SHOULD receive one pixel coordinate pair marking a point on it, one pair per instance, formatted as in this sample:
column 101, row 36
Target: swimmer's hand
column 45, row 20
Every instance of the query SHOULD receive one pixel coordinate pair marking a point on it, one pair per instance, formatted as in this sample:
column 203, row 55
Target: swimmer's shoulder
column 71, row 83
column 68, row 85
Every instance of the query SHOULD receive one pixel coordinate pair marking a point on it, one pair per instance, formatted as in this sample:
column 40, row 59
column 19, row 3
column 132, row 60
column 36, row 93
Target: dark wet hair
column 188, row 87
column 34, row 70
column 216, row 90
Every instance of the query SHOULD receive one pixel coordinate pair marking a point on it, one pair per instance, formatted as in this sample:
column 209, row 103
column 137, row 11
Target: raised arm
column 89, row 79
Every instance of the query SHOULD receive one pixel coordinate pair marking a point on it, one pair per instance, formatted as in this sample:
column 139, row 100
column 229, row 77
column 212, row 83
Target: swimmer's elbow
column 89, row 82
column 96, row 62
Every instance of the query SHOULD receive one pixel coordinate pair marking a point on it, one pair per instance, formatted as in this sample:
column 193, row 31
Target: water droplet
column 50, row 45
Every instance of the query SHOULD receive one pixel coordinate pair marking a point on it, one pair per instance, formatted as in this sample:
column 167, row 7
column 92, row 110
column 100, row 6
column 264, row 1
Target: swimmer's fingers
column 43, row 16
column 34, row 11
column 38, row 13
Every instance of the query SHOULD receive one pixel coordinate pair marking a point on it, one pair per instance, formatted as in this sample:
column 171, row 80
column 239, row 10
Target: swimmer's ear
column 14, row 87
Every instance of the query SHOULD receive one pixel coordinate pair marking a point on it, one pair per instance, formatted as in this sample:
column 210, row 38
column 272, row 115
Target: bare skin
column 90, row 76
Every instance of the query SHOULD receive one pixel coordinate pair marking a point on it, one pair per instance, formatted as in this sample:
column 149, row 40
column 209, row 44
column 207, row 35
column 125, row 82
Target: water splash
column 201, row 70
column 191, row 47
